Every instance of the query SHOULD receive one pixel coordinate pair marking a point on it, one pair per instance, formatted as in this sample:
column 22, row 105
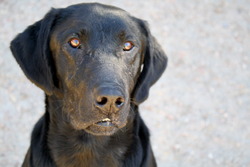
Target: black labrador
column 96, row 64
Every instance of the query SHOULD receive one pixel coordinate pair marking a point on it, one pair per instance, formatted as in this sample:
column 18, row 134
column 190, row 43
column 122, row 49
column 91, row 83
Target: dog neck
column 70, row 147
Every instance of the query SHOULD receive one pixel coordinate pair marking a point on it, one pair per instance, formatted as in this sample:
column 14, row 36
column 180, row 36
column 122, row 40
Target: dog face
column 97, row 55
column 96, row 59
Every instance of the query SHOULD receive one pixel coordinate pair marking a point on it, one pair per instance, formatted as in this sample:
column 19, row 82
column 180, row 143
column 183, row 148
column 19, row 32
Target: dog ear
column 154, row 64
column 31, row 50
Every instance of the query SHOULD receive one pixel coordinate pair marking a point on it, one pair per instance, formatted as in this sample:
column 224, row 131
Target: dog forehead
column 95, row 17
column 89, row 10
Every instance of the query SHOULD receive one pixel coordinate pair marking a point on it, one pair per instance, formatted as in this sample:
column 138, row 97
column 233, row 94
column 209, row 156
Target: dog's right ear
column 31, row 50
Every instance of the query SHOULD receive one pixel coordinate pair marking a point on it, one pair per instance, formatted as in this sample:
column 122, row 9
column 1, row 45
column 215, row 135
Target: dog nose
column 109, row 99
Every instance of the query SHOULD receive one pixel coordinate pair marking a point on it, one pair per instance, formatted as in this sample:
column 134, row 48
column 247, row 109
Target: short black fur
column 75, row 79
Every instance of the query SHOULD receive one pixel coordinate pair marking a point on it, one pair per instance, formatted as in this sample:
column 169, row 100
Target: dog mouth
column 106, row 122
column 104, row 127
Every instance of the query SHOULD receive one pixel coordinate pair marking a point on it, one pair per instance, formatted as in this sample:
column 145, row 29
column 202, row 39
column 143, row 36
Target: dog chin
column 103, row 128
column 100, row 130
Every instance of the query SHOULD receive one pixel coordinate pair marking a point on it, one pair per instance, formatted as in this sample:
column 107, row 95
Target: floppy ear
column 31, row 50
column 154, row 64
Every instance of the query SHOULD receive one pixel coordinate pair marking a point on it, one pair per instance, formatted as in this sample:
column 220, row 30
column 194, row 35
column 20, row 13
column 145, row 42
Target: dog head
column 96, row 59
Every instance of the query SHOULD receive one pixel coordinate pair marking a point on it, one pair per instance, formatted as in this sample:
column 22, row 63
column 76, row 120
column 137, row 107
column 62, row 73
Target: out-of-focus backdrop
column 198, row 112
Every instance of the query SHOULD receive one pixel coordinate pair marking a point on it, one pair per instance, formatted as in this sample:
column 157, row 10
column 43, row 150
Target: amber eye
column 128, row 46
column 74, row 42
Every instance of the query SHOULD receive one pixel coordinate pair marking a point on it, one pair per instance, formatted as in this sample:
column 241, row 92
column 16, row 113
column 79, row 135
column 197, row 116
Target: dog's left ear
column 154, row 64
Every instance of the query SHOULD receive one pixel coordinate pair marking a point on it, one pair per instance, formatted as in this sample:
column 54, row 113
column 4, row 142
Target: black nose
column 109, row 99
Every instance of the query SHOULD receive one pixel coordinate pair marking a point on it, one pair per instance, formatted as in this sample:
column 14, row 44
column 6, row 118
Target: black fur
column 73, row 79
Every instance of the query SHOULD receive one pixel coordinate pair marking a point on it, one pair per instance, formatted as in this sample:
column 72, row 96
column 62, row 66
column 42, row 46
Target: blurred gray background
column 198, row 112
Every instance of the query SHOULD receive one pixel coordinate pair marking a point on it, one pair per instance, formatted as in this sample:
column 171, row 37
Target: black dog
column 96, row 64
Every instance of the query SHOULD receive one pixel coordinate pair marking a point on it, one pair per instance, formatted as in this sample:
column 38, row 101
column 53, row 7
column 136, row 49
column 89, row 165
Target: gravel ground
column 198, row 112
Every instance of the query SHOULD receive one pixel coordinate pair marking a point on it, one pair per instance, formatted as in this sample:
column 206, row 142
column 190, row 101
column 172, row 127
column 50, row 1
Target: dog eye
column 128, row 46
column 74, row 42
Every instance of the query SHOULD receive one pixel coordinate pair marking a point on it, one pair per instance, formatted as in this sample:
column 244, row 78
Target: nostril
column 119, row 102
column 101, row 101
